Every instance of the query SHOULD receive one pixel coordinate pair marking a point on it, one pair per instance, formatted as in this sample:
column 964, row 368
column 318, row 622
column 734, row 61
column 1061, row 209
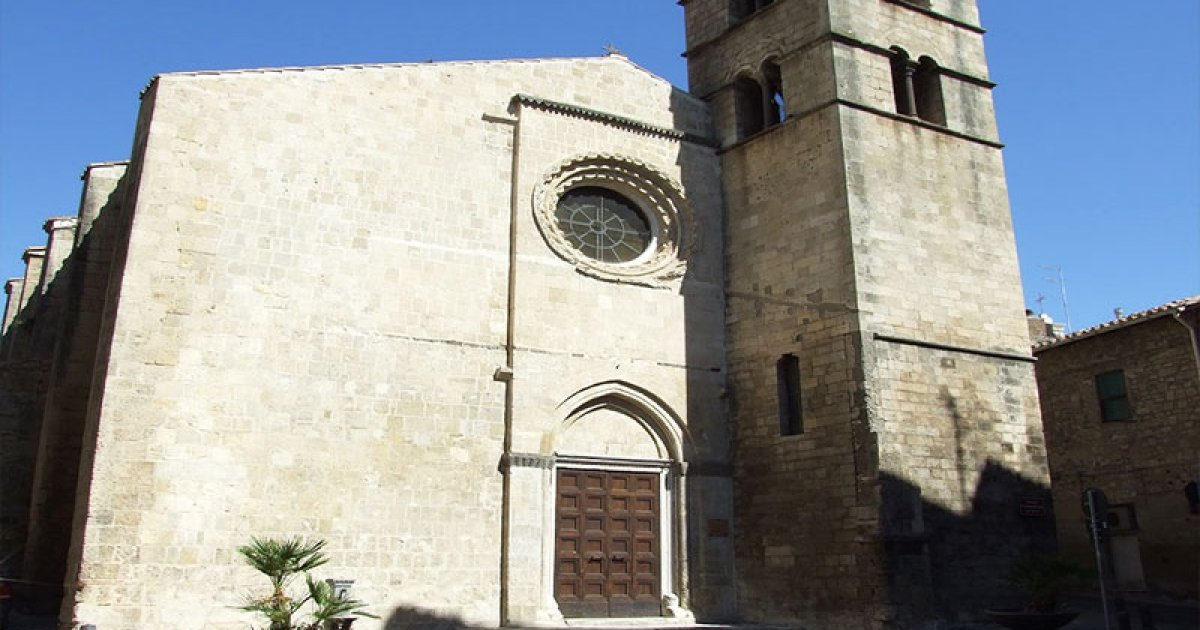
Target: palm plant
column 1043, row 579
column 282, row 561
column 329, row 606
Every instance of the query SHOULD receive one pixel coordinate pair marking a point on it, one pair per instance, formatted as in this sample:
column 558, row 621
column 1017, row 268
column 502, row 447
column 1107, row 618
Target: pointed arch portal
column 612, row 503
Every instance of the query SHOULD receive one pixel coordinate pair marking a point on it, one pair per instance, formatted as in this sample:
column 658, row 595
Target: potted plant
column 1042, row 578
column 284, row 560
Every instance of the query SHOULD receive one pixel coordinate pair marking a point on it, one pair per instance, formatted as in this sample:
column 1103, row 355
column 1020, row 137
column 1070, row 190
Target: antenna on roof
column 1041, row 302
column 610, row 49
column 1062, row 287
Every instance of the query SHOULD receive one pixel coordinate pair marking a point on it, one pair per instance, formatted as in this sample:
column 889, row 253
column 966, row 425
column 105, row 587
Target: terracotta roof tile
column 1128, row 320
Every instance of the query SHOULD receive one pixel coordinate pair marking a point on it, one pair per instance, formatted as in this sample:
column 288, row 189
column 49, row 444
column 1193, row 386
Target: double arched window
column 917, row 87
column 758, row 99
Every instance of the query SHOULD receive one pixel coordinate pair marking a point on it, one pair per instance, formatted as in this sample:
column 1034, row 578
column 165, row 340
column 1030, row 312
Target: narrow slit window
column 1113, row 396
column 787, row 374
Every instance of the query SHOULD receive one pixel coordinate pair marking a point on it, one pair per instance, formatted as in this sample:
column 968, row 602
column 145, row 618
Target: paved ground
column 1145, row 613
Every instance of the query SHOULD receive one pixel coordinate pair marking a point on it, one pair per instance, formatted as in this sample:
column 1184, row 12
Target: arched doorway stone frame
column 670, row 436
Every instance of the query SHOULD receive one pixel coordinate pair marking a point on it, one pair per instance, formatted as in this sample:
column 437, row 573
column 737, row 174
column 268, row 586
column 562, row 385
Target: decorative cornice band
column 920, row 123
column 904, row 341
column 60, row 223
column 637, row 126
column 912, row 120
column 592, row 461
column 941, row 17
column 854, row 42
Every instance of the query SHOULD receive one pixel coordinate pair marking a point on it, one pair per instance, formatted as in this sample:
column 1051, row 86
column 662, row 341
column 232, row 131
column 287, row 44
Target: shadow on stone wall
column 951, row 566
column 409, row 618
column 46, row 375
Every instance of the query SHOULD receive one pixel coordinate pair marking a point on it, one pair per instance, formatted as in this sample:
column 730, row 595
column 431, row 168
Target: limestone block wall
column 1144, row 463
column 705, row 20
column 312, row 306
column 22, row 383
column 937, row 255
column 960, row 449
column 958, row 429
column 804, row 502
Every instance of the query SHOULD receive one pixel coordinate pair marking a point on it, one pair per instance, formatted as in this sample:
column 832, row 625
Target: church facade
column 537, row 340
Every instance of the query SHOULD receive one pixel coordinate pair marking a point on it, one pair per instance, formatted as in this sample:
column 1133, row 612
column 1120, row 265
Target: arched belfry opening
column 927, row 86
column 775, row 107
column 748, row 106
column 758, row 100
column 742, row 9
column 917, row 87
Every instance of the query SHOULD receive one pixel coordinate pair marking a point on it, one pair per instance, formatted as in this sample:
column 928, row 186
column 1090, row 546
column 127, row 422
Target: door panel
column 607, row 548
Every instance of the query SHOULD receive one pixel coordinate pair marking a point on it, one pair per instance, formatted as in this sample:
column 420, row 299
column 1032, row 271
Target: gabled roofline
column 1140, row 317
column 407, row 64
column 616, row 120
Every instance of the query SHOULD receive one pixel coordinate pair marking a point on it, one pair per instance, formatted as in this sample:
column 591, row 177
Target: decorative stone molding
column 60, row 223
column 528, row 460
column 661, row 420
column 675, row 233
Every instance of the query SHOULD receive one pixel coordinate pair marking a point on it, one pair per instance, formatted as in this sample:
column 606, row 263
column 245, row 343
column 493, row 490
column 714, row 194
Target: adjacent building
column 1121, row 406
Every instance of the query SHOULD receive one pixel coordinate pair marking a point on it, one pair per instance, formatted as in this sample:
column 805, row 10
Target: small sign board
column 1032, row 506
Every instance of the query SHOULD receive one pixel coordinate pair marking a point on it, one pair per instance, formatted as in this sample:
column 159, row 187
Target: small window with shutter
column 1113, row 397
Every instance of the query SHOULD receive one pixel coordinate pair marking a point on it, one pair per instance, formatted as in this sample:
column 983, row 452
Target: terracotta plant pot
column 1030, row 620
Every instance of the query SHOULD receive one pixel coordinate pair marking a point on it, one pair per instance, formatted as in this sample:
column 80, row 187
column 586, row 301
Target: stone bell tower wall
column 876, row 248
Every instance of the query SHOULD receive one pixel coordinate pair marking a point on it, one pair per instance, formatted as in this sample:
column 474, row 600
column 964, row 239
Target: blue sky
column 1099, row 104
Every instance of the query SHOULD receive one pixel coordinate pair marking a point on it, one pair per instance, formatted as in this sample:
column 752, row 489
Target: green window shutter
column 1113, row 396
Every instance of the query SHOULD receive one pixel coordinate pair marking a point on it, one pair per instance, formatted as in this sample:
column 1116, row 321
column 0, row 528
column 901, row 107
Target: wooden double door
column 607, row 544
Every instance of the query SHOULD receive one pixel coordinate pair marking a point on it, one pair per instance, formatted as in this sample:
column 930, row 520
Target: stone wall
column 878, row 250
column 800, row 507
column 312, row 310
column 21, row 386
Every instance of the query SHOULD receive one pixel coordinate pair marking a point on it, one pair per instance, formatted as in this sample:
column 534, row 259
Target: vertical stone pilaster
column 100, row 190
column 12, row 302
column 60, row 243
column 68, row 331
column 529, row 578
column 35, row 260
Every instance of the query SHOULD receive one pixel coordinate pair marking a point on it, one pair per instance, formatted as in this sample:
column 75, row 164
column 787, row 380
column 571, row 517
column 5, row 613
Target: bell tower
column 883, row 403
